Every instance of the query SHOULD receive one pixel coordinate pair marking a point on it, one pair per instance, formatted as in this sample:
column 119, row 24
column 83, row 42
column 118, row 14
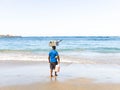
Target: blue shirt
column 52, row 55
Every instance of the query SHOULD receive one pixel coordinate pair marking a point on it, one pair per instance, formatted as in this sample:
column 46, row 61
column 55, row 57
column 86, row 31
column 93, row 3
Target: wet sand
column 34, row 75
column 75, row 84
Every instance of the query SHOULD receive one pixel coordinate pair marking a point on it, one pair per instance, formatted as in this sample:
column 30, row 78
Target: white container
column 57, row 68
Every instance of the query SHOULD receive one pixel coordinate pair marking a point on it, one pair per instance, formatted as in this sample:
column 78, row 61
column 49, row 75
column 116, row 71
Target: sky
column 60, row 17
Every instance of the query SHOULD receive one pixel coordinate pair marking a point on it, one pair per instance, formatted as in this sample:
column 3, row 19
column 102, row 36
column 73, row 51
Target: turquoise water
column 40, row 44
column 72, row 45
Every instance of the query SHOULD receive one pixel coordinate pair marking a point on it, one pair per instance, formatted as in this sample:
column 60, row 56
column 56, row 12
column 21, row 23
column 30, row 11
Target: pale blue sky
column 60, row 17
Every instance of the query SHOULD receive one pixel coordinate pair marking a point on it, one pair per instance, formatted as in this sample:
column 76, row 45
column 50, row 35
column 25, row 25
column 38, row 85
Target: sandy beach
column 76, row 84
column 34, row 75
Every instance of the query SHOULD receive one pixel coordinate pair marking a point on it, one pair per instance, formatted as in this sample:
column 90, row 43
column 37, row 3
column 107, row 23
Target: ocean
column 99, row 48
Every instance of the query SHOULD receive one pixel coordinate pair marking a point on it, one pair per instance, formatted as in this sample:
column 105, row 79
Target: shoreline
column 34, row 75
column 82, row 58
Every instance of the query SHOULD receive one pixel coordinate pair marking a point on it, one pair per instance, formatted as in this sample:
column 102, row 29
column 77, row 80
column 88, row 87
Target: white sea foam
column 26, row 56
column 71, row 58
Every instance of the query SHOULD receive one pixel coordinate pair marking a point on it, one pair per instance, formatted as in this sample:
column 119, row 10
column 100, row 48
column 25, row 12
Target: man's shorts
column 52, row 65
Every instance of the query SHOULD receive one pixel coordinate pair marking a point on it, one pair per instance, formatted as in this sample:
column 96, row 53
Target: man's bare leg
column 51, row 71
column 56, row 74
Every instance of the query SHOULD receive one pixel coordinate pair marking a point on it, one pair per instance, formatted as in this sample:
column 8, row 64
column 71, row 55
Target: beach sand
column 34, row 75
column 76, row 84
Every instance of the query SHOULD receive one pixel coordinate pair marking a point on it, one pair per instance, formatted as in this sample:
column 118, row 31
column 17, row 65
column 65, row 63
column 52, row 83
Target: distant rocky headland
column 8, row 35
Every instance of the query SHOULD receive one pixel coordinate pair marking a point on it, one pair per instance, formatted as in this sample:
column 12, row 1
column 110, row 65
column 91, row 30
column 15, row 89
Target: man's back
column 52, row 55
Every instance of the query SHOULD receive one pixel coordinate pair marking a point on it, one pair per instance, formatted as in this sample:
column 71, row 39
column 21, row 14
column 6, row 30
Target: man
column 53, row 59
